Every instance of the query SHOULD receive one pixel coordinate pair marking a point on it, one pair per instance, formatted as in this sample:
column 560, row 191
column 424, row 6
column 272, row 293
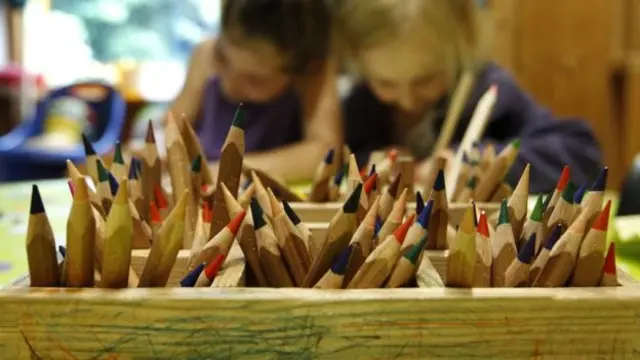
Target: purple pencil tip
column 528, row 250
column 601, row 181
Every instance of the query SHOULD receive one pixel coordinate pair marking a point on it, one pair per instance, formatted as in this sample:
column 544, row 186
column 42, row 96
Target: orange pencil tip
column 212, row 269
column 401, row 232
column 371, row 183
column 610, row 261
column 154, row 213
column 564, row 178
column 602, row 221
column 483, row 226
column 235, row 223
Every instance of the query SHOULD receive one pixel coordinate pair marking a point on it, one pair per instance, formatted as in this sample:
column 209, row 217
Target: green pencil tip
column 103, row 174
column 504, row 213
column 471, row 184
column 568, row 192
column 196, row 165
column 538, row 210
column 117, row 156
column 516, row 143
column 414, row 253
column 238, row 118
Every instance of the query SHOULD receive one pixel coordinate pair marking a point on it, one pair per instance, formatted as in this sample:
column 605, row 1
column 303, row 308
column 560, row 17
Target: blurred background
column 578, row 57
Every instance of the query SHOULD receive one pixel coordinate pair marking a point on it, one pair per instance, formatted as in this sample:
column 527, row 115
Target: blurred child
column 411, row 54
column 272, row 56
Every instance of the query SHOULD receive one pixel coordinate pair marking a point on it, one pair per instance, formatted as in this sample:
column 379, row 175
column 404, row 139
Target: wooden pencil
column 135, row 191
column 361, row 242
column 394, row 219
column 419, row 202
column 334, row 186
column 534, row 224
column 341, row 229
column 200, row 238
column 312, row 246
column 353, row 176
column 388, row 198
column 439, row 215
column 497, row 171
column 588, row 271
column 41, row 246
column 517, row 274
column 487, row 158
column 593, row 200
column 462, row 254
column 277, row 185
column 118, row 167
column 406, row 167
column 197, row 177
column 161, row 201
column 406, row 265
column 543, row 256
column 468, row 191
column 295, row 237
column 118, row 243
column 90, row 158
column 378, row 265
column 79, row 261
column 232, row 271
column 155, row 219
column 194, row 148
column 320, row 186
column 377, row 187
column 165, row 247
column 427, row 276
column 502, row 191
column 418, row 230
column 268, row 250
column 563, row 211
column 245, row 198
column 297, row 262
column 103, row 188
column 189, row 280
column 484, row 256
column 262, row 196
column 455, row 110
column 562, row 258
column 248, row 243
column 518, row 203
column 503, row 247
column 210, row 271
column 222, row 241
column 609, row 270
column 563, row 180
column 334, row 277
column 151, row 174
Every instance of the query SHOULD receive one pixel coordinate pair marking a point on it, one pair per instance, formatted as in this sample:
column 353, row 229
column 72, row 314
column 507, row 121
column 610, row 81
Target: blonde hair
column 448, row 26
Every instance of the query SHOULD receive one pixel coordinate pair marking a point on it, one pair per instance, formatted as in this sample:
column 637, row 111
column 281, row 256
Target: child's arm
column 322, row 129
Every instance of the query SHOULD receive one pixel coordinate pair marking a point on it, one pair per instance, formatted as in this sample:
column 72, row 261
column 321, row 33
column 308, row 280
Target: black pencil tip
column 113, row 184
column 257, row 214
column 341, row 262
column 290, row 213
column 196, row 165
column 88, row 147
column 37, row 207
column 419, row 202
column 117, row 156
column 439, row 183
column 351, row 205
column 328, row 159
column 133, row 171
column 528, row 250
column 62, row 250
column 372, row 170
column 601, row 181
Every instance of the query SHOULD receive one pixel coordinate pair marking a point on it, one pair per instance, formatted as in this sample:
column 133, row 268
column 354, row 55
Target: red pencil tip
column 610, row 260
column 483, row 226
column 206, row 212
column 564, row 178
column 161, row 201
column 371, row 183
column 212, row 269
column 393, row 154
column 363, row 173
column 154, row 213
column 401, row 232
column 602, row 221
column 235, row 223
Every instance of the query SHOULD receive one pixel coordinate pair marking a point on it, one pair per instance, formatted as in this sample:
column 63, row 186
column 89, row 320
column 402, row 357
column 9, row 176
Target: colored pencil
column 210, row 271
column 419, row 202
column 406, row 167
column 468, row 192
column 386, row 167
column 427, row 276
column 388, row 198
column 503, row 247
column 563, row 180
column 118, row 167
column 593, row 200
column 312, row 246
column 296, row 256
column 245, row 198
column 118, row 243
column 161, row 201
column 394, row 219
column 190, row 279
column 222, row 241
column 90, row 158
column 361, row 242
column 334, row 277
column 463, row 177
column 497, row 171
column 543, row 255
column 563, row 211
column 135, row 191
column 248, row 243
column 320, row 186
column 609, row 270
column 484, row 256
column 262, row 196
column 462, row 254
column 151, row 174
column 406, row 265
column 103, row 187
column 439, row 215
column 155, row 220
column 588, row 271
column 517, row 274
column 487, row 158
column 418, row 230
column 41, row 245
column 334, row 186
column 534, row 224
column 341, row 229
column 518, row 203
column 194, row 149
column 200, row 238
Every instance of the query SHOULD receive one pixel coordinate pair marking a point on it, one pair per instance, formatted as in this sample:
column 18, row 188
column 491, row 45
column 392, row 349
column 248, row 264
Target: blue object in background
column 18, row 161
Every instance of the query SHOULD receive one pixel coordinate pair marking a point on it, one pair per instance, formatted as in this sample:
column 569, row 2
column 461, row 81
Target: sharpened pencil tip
column 117, row 155
column 377, row 226
column 528, row 250
column 113, row 184
column 235, row 223
column 196, row 165
column 554, row 237
column 414, row 253
column 295, row 219
column 610, row 260
column 62, row 250
column 538, row 210
column 341, row 261
column 425, row 215
column 547, row 201
column 393, row 188
column 256, row 214
column 564, row 178
column 419, row 202
column 37, row 207
column 133, row 171
column 122, row 195
column 401, row 232
column 517, row 143
column 601, row 181
column 150, row 138
column 238, row 117
column 211, row 270
column 483, row 226
column 351, row 205
column 504, row 213
column 328, row 158
column 161, row 200
column 154, row 213
column 88, row 147
column 568, row 192
column 579, row 194
column 337, row 180
column 370, row 184
column 192, row 277
column 602, row 221
column 103, row 174
column 438, row 185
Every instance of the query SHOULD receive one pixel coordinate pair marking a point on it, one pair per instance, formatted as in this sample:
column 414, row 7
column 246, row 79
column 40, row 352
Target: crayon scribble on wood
column 308, row 324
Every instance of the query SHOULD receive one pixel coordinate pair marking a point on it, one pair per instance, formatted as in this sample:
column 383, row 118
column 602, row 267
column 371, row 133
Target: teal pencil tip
column 117, row 156
column 196, row 165
column 504, row 213
column 238, row 118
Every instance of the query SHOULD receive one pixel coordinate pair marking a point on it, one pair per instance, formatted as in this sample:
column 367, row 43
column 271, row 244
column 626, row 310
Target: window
column 140, row 45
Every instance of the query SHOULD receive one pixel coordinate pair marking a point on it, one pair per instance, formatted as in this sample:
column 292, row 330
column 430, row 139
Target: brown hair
column 300, row 29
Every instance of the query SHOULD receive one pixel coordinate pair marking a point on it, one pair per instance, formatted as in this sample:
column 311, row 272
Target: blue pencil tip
column 113, row 184
column 579, row 194
column 601, row 181
column 439, row 183
column 337, row 180
column 425, row 215
column 192, row 277
column 247, row 183
column 528, row 250
column 62, row 250
column 554, row 237
column 419, row 202
column 37, row 207
column 341, row 262
column 377, row 226
column 328, row 159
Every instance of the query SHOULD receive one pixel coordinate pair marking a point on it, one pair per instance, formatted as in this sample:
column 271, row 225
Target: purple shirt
column 266, row 126
column 547, row 143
